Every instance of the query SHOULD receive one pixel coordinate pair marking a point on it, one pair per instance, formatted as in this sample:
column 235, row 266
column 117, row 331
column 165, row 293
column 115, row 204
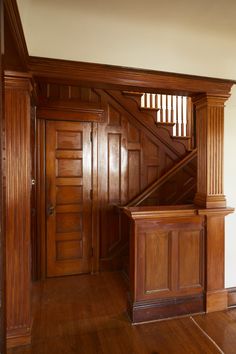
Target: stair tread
column 168, row 124
column 132, row 93
column 151, row 109
column 181, row 137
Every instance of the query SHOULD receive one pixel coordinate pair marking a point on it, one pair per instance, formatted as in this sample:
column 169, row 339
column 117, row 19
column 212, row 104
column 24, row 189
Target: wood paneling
column 2, row 194
column 216, row 294
column 18, row 188
column 130, row 158
column 41, row 199
column 167, row 262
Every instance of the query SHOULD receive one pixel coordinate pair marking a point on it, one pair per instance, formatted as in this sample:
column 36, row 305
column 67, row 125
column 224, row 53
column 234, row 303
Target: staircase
column 183, row 172
column 176, row 183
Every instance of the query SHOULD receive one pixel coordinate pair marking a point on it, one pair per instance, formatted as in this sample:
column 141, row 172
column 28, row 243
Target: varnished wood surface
column 68, row 197
column 125, row 78
column 2, row 196
column 18, row 188
column 86, row 314
column 166, row 262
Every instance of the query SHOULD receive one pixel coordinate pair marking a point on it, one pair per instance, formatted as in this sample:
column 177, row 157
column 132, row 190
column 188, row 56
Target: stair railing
column 175, row 110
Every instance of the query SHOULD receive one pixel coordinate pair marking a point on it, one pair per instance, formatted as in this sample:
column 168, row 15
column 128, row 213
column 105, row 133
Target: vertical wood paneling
column 114, row 168
column 2, row 193
column 17, row 111
column 134, row 174
column 41, row 203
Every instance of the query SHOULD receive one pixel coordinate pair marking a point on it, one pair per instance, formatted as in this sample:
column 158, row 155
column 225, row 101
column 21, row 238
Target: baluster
column 190, row 125
column 177, row 115
column 145, row 100
column 183, row 110
column 161, row 110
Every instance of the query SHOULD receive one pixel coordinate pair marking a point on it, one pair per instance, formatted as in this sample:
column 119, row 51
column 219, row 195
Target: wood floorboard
column 86, row 314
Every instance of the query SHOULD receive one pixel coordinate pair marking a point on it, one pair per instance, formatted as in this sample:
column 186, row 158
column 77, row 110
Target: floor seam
column 206, row 335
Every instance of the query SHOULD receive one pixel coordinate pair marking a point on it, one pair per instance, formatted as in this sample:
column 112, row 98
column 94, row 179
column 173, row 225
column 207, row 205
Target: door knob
column 51, row 210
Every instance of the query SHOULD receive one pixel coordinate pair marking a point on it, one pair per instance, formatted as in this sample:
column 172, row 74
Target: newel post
column 210, row 198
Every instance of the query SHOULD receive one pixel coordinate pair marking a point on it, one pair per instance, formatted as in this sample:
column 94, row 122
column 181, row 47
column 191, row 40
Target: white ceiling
column 178, row 35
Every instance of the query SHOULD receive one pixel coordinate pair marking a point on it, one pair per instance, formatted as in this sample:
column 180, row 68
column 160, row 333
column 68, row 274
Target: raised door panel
column 68, row 171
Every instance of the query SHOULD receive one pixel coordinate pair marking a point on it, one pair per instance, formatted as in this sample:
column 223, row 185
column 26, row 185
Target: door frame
column 49, row 114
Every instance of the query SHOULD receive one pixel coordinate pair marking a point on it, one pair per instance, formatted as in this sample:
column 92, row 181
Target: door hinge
column 91, row 137
column 91, row 194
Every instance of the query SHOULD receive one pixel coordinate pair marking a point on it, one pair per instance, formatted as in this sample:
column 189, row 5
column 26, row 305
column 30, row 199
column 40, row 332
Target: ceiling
column 178, row 35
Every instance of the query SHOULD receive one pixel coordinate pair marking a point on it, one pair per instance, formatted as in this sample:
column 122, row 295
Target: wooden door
column 68, row 196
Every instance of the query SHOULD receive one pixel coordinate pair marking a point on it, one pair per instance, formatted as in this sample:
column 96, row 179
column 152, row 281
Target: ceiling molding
column 14, row 20
column 109, row 76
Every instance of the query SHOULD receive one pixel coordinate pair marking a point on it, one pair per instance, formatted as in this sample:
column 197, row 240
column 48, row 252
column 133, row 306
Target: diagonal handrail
column 160, row 181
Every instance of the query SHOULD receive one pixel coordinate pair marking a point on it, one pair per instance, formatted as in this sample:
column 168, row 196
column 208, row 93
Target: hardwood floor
column 86, row 314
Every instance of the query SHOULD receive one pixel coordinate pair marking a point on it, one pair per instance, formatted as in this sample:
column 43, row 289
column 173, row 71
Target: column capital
column 210, row 99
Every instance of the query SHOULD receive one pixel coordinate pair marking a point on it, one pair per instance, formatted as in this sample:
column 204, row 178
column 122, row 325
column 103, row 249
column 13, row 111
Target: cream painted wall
column 184, row 36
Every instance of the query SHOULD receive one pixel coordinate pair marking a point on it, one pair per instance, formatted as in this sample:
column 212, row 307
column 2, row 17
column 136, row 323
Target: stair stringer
column 146, row 121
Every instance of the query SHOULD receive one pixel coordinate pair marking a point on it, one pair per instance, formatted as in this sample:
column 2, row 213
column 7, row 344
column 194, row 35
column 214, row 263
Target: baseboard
column 18, row 337
column 216, row 300
column 231, row 296
column 165, row 308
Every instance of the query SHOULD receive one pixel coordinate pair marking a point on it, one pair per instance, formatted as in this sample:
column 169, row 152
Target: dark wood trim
column 40, row 198
column 18, row 338
column 16, row 28
column 95, row 204
column 165, row 308
column 73, row 114
column 231, row 297
column 2, row 193
column 109, row 76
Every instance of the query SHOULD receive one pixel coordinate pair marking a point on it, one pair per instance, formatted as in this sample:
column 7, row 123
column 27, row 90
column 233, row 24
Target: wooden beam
column 109, row 76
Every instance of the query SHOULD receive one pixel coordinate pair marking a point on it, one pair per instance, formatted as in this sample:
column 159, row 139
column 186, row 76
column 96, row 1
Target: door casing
column 41, row 187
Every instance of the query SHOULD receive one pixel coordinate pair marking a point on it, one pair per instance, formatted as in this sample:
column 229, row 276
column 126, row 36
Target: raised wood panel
column 114, row 116
column 18, row 188
column 114, row 168
column 134, row 173
column 54, row 91
column 190, row 253
column 157, row 261
column 167, row 261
